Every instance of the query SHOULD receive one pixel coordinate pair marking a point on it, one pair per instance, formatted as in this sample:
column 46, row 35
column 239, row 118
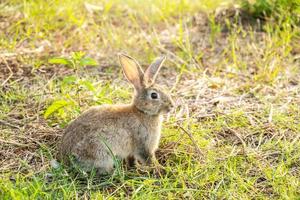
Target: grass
column 233, row 135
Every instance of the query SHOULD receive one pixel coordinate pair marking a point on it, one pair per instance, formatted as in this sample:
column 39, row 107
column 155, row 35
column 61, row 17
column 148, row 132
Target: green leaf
column 88, row 62
column 88, row 85
column 55, row 106
column 78, row 55
column 60, row 60
column 69, row 79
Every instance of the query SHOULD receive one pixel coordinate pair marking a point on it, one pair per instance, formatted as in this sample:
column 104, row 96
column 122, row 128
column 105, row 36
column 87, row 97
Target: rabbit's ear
column 153, row 69
column 132, row 70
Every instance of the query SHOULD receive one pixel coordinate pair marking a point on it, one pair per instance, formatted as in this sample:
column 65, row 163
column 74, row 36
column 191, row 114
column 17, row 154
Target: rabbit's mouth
column 169, row 106
column 167, row 109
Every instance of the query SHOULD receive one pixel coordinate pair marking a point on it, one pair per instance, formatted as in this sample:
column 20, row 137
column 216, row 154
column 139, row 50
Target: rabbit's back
column 97, row 127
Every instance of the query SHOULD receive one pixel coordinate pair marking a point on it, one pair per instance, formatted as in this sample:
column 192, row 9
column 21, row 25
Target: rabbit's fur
column 129, row 132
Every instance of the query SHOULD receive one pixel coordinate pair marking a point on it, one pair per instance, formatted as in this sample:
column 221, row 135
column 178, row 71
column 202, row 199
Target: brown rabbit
column 129, row 132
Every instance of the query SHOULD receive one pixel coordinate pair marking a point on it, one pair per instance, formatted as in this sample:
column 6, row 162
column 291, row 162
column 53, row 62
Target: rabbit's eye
column 154, row 95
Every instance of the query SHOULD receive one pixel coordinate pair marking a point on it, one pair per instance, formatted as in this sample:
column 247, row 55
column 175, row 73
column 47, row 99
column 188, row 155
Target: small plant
column 70, row 84
column 77, row 60
column 71, row 97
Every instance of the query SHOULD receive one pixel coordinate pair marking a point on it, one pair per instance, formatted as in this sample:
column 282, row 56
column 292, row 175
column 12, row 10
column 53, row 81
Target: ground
column 232, row 69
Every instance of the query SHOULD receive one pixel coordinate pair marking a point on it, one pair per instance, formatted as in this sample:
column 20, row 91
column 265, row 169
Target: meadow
column 233, row 69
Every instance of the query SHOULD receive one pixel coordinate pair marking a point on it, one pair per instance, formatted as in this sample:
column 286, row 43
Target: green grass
column 236, row 88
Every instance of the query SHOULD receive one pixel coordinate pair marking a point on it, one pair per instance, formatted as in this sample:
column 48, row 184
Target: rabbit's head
column 148, row 96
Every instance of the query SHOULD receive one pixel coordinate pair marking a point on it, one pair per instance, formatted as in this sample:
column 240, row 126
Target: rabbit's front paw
column 130, row 162
column 145, row 158
column 150, row 160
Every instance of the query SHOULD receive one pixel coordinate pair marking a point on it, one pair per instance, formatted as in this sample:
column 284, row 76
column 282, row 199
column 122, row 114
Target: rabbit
column 130, row 132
